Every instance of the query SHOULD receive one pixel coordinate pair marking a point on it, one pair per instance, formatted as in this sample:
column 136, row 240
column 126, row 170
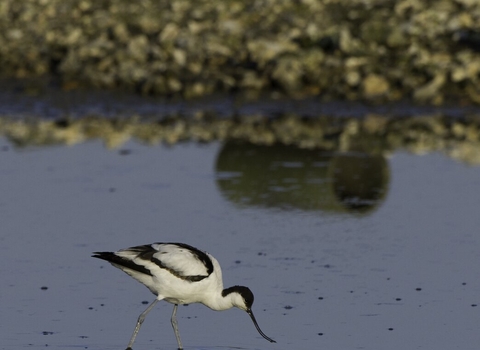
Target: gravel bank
column 375, row 50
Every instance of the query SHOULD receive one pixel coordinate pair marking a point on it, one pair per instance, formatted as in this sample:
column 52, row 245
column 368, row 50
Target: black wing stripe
column 195, row 278
column 145, row 252
column 115, row 259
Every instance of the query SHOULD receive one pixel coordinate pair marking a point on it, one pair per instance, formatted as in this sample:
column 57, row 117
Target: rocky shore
column 372, row 50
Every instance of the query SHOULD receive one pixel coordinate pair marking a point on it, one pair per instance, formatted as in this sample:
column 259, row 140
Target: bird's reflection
column 288, row 177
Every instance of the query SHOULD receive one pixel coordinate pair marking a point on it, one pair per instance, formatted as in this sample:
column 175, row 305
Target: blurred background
column 326, row 152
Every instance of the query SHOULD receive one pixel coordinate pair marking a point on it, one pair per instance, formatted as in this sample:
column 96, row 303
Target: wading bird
column 179, row 274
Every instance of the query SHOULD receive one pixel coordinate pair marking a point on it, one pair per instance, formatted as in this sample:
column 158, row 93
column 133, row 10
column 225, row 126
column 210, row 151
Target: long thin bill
column 258, row 328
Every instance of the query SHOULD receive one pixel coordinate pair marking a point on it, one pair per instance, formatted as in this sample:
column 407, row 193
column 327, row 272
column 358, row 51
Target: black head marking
column 245, row 292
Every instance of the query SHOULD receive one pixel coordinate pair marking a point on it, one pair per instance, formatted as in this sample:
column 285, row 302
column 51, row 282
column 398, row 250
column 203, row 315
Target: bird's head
column 242, row 297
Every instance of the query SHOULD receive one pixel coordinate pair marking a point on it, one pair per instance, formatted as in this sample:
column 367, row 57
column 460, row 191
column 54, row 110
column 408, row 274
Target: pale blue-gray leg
column 140, row 320
column 175, row 327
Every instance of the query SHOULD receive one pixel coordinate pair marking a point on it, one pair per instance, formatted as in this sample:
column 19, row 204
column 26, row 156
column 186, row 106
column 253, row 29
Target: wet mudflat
column 342, row 251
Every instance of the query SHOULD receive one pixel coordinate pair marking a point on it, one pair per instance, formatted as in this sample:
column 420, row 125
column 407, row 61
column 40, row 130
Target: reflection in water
column 282, row 176
column 359, row 181
column 459, row 138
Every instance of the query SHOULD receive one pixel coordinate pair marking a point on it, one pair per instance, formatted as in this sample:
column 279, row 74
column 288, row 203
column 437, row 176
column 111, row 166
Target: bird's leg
column 175, row 327
column 140, row 320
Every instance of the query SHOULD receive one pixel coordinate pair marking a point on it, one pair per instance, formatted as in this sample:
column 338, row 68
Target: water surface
column 342, row 251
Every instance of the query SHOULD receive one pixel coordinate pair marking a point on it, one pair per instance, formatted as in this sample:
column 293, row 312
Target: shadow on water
column 288, row 177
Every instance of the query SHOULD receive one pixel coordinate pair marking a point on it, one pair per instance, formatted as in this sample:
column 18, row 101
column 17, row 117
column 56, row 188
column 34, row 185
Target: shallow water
column 381, row 254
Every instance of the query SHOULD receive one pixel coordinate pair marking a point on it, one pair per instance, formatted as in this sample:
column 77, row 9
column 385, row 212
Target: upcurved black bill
column 258, row 328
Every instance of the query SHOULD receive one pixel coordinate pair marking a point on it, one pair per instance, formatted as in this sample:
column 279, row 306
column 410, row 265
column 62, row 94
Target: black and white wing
column 147, row 261
column 182, row 260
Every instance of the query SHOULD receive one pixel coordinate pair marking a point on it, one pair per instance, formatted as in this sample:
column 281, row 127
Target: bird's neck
column 219, row 302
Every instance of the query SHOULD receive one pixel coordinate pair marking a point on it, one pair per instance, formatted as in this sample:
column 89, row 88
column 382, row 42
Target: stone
column 375, row 86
